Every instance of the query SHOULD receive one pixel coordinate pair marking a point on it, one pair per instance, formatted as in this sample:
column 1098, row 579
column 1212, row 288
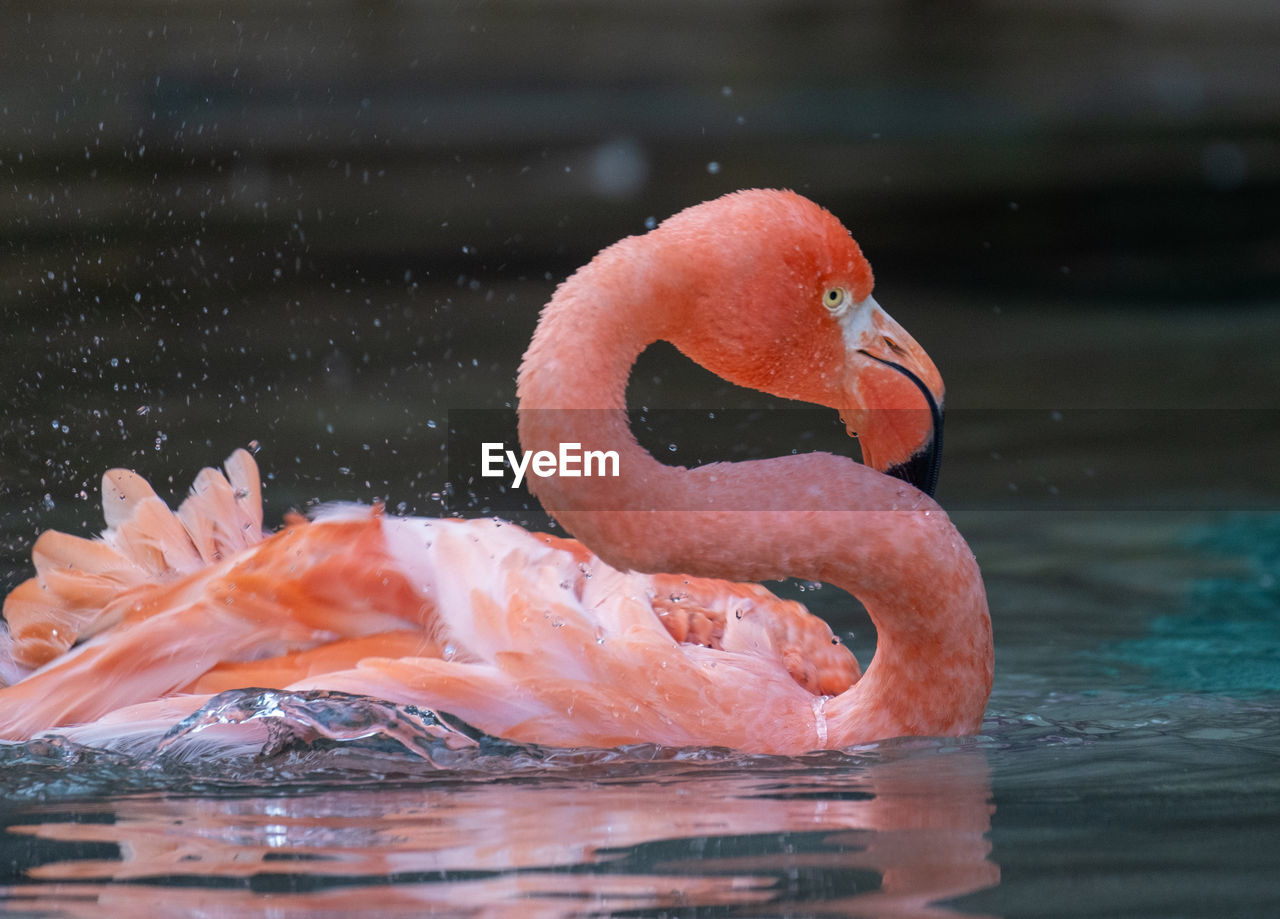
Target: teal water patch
column 1228, row 639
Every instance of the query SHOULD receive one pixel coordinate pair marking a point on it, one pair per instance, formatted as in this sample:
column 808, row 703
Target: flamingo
column 643, row 629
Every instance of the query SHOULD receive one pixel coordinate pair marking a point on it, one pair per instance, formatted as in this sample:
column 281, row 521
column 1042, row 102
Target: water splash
column 249, row 739
column 269, row 723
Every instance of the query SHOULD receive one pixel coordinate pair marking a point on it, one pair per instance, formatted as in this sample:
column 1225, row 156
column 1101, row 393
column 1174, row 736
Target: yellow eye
column 835, row 299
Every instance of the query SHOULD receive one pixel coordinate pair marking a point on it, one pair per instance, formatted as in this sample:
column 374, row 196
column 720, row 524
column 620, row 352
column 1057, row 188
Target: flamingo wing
column 526, row 635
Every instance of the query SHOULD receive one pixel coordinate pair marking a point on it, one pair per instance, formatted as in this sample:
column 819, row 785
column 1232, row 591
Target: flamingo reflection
column 898, row 833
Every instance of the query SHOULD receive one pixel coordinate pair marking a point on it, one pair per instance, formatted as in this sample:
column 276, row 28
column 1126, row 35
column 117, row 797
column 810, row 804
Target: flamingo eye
column 836, row 300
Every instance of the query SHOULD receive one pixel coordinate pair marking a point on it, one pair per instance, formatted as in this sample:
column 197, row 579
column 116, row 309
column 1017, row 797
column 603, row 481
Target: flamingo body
column 552, row 640
column 525, row 635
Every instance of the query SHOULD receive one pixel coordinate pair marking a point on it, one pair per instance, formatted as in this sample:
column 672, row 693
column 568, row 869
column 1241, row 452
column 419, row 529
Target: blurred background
column 319, row 228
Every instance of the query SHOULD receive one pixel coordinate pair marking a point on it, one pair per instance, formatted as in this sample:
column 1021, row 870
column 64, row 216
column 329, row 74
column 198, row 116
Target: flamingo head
column 783, row 304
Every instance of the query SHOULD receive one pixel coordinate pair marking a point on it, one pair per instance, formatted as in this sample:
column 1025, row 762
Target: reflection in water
column 885, row 834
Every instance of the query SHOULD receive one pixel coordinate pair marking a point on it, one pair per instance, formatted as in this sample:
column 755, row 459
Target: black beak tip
column 923, row 467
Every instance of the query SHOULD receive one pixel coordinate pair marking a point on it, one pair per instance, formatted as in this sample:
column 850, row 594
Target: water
column 1126, row 767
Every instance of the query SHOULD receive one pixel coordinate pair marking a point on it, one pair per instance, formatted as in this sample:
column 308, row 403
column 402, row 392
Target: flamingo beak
column 921, row 468
column 899, row 394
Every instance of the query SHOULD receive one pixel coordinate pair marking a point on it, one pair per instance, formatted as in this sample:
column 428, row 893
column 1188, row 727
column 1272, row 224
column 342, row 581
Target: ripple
column 254, row 739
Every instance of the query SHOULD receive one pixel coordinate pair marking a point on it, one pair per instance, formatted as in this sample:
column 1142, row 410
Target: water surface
column 1126, row 767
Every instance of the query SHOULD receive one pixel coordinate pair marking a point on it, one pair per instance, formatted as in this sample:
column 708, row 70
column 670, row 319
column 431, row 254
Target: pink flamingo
column 551, row 640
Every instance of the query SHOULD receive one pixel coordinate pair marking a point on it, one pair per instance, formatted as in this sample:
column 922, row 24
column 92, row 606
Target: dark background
column 321, row 227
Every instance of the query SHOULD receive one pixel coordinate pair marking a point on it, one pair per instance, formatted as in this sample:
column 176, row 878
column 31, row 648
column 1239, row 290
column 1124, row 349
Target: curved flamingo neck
column 816, row 516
